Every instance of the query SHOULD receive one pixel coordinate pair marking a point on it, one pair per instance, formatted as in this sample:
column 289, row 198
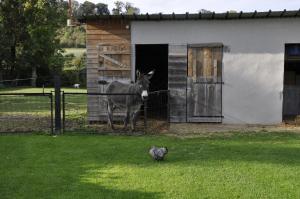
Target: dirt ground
column 194, row 129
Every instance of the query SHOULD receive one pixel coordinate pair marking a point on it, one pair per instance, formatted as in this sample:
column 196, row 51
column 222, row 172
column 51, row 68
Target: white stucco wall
column 252, row 67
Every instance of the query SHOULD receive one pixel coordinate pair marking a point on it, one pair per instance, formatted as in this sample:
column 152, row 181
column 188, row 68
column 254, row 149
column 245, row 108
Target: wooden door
column 204, row 84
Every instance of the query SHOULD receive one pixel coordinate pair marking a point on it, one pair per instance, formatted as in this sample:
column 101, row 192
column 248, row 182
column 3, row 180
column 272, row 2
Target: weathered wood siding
column 108, row 58
column 177, row 82
column 204, row 88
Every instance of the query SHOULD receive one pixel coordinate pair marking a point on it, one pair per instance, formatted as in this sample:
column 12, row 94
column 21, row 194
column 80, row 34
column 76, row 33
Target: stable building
column 233, row 68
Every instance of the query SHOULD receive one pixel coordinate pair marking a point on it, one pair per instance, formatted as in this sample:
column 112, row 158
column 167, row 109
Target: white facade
column 253, row 63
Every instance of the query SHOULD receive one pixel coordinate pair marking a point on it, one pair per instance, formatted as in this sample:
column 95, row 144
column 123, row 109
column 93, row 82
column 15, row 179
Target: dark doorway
column 291, row 91
column 155, row 57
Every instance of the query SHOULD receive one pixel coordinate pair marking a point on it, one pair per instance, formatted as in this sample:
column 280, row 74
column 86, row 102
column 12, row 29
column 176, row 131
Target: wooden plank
column 109, row 57
column 92, row 61
column 205, row 119
column 114, row 61
column 108, row 25
column 108, row 37
column 111, row 41
column 177, row 62
column 204, row 100
column 108, row 32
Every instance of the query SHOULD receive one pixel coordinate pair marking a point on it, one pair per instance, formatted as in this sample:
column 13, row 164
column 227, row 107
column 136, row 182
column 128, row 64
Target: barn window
column 292, row 51
column 205, row 63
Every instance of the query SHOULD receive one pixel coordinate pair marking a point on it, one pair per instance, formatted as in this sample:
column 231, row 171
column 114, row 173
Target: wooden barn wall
column 111, row 38
column 177, row 74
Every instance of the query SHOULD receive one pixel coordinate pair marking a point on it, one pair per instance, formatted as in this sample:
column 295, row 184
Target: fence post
column 57, row 104
column 51, row 107
column 145, row 114
column 168, row 104
column 63, row 110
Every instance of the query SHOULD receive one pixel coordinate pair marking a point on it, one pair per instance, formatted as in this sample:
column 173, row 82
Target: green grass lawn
column 265, row 165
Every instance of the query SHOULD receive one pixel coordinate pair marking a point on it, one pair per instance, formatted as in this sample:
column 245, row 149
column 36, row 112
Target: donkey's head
column 143, row 81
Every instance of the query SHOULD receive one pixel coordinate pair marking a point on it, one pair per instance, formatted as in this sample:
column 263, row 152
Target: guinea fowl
column 158, row 153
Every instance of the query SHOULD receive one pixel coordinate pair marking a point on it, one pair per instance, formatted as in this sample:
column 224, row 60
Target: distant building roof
column 196, row 16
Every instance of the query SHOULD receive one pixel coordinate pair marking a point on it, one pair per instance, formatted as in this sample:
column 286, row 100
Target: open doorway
column 154, row 57
column 291, row 90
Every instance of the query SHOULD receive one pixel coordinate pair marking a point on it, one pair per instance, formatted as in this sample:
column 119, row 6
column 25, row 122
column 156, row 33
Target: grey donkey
column 131, row 103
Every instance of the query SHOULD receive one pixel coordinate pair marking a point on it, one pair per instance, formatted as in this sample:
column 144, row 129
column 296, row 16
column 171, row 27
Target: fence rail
column 34, row 112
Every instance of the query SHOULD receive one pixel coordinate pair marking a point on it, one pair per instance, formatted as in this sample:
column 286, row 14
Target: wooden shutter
column 204, row 89
column 177, row 70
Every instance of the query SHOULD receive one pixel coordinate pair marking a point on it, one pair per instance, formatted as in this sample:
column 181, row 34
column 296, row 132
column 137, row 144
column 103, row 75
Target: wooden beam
column 113, row 61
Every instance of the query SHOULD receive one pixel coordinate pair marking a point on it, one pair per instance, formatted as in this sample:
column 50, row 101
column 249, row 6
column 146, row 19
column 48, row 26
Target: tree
column 88, row 8
column 205, row 11
column 12, row 35
column 72, row 37
column 125, row 8
column 130, row 9
column 29, row 31
column 43, row 25
column 102, row 9
column 119, row 5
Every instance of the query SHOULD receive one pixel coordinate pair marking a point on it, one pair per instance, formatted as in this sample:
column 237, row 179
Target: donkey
column 131, row 103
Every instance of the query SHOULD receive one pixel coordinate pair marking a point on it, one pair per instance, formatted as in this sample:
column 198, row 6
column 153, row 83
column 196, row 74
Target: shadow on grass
column 66, row 190
column 97, row 191
column 63, row 166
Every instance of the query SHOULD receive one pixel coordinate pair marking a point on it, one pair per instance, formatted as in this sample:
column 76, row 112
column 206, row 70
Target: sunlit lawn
column 87, row 166
column 38, row 104
column 38, row 90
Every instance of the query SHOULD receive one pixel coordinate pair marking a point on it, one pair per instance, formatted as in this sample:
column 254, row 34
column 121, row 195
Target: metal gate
column 26, row 112
column 204, row 83
column 154, row 113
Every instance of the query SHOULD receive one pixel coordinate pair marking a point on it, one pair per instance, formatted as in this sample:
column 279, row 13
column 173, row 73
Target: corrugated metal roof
column 196, row 16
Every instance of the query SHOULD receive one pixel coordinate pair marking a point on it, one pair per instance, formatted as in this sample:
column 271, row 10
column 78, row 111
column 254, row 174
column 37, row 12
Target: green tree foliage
column 72, row 37
column 124, row 8
column 74, row 70
column 89, row 8
column 29, row 41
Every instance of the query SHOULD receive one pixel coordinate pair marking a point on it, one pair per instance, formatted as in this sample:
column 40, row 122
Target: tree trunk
column 33, row 76
column 13, row 60
column 1, row 77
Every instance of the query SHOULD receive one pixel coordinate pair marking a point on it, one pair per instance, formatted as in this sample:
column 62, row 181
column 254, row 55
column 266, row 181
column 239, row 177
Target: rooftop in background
column 197, row 16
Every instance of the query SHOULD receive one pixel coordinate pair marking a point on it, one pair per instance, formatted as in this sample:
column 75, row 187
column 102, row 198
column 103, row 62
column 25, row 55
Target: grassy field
column 76, row 51
column 86, row 166
column 38, row 90
column 29, row 113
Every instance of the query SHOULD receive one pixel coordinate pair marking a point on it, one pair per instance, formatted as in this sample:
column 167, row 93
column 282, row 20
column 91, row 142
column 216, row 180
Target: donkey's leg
column 131, row 121
column 110, row 114
column 134, row 117
column 126, row 119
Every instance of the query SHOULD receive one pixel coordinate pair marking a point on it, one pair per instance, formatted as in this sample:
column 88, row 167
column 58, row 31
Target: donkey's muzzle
column 144, row 95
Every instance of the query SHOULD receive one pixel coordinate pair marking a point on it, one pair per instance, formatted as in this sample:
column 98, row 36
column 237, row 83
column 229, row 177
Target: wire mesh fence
column 88, row 112
column 26, row 112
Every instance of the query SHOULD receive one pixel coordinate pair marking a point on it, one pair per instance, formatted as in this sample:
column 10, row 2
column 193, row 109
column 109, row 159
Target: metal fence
column 26, row 112
column 34, row 112
column 154, row 113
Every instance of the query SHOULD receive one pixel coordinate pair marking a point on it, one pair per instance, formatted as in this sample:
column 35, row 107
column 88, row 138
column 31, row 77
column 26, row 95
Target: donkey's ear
column 150, row 74
column 138, row 74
